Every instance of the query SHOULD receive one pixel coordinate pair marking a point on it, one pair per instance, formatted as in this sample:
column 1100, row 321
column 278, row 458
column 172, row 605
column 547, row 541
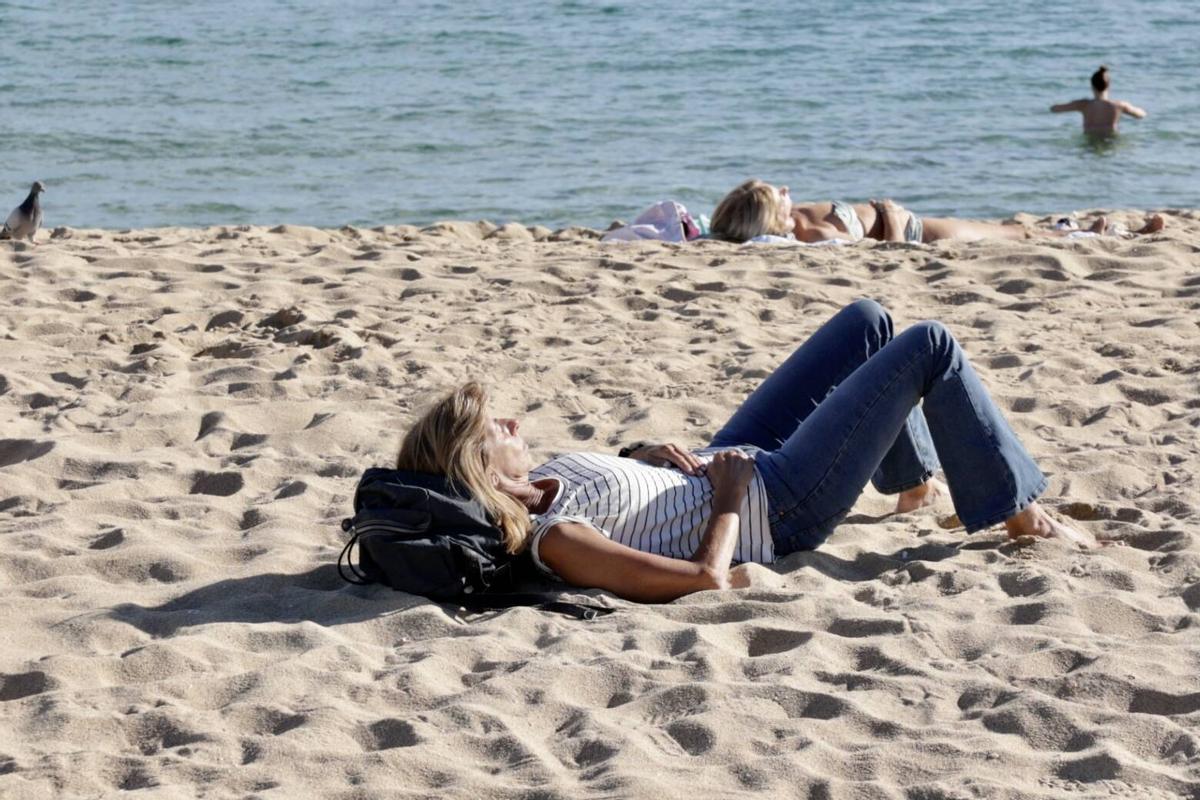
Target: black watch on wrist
column 629, row 450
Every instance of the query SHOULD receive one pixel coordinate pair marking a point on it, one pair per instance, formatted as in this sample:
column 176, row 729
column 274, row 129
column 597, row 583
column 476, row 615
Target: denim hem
column 904, row 487
column 1013, row 510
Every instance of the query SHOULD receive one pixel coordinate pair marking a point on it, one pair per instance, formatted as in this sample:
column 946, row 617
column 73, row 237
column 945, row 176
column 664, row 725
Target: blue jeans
column 857, row 402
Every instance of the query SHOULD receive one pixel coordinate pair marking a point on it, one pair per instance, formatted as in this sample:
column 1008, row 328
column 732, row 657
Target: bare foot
column 1034, row 521
column 926, row 494
column 1100, row 225
column 1153, row 224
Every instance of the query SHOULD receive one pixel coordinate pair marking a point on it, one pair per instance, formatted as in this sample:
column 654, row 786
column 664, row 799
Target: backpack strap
column 356, row 576
column 542, row 602
column 476, row 602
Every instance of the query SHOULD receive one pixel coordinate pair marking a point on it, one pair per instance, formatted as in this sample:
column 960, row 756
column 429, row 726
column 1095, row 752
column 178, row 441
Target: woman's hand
column 730, row 472
column 672, row 454
column 739, row 577
column 894, row 216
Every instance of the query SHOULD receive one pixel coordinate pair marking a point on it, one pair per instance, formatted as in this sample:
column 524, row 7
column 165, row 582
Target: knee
column 934, row 332
column 871, row 314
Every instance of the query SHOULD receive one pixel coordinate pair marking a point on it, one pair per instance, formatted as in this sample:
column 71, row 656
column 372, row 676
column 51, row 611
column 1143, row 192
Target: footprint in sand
column 225, row 319
column 107, row 540
column 70, row 380
column 217, row 484
column 387, row 734
column 24, row 684
column 283, row 318
column 582, row 431
column 770, row 641
column 15, row 451
column 293, row 489
column 696, row 738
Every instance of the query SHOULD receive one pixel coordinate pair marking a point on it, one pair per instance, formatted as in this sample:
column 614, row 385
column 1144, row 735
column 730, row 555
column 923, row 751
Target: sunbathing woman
column 855, row 402
column 757, row 208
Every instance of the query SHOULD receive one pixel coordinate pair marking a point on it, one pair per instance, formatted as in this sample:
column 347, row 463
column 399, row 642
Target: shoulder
column 556, row 539
column 813, row 211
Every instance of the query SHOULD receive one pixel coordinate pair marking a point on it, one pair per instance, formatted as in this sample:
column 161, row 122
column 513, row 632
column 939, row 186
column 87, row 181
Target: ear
column 494, row 477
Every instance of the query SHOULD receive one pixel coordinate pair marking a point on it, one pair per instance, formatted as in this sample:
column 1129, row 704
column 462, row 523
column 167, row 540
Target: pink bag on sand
column 667, row 221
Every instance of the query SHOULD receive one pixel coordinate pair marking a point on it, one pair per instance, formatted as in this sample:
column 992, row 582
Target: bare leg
column 938, row 228
column 964, row 230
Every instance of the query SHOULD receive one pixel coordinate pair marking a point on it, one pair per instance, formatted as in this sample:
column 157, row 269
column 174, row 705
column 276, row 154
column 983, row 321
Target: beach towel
column 768, row 238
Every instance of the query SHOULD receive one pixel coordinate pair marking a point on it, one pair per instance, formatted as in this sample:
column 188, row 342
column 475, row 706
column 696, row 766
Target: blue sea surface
column 152, row 112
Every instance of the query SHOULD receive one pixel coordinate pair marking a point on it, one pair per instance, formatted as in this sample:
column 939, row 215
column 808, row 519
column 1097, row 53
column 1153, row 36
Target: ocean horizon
column 575, row 113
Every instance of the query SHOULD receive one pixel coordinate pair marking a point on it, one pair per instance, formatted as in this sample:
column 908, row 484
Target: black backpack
column 419, row 533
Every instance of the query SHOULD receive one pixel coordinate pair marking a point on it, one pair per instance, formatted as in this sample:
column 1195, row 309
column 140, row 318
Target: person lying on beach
column 1100, row 113
column 854, row 403
column 757, row 208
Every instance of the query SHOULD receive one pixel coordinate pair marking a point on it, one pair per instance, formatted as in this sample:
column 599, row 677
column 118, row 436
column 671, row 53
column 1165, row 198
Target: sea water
column 156, row 112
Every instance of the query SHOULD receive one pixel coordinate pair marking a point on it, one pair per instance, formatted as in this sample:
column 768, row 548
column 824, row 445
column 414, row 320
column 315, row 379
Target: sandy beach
column 184, row 414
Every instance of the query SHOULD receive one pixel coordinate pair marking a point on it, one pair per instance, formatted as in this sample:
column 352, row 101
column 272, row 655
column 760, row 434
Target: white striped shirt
column 652, row 509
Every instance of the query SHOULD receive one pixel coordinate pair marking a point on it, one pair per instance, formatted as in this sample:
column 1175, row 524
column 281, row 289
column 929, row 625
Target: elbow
column 711, row 578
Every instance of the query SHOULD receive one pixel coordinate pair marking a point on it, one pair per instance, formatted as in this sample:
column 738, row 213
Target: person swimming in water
column 1101, row 113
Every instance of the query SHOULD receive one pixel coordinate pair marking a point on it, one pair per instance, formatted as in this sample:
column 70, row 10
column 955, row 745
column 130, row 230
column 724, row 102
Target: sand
column 185, row 413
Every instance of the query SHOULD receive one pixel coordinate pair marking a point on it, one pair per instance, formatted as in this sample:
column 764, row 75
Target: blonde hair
column 750, row 210
column 450, row 439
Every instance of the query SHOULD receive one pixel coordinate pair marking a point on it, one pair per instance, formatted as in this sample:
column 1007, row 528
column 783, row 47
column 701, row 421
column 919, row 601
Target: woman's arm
column 1074, row 105
column 895, row 219
column 815, row 222
column 661, row 455
column 583, row 556
column 1132, row 110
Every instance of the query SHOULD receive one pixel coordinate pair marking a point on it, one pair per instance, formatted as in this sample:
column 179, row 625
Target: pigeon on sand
column 26, row 218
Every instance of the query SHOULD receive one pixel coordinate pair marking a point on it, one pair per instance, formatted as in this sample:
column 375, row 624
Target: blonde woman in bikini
column 757, row 208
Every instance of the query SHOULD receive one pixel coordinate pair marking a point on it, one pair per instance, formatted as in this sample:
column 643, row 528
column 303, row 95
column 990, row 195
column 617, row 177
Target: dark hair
column 1100, row 79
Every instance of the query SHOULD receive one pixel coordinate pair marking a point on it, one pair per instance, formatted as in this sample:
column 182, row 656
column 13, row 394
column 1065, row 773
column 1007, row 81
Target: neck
column 1101, row 95
column 535, row 496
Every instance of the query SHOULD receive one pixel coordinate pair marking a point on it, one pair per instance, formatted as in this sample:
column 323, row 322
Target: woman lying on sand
column 757, row 208
column 853, row 403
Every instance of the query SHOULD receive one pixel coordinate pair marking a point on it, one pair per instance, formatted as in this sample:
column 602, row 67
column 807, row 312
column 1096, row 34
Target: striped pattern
column 648, row 508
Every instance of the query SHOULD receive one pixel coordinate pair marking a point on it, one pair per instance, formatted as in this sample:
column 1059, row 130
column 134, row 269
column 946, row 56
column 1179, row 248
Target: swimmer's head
column 1100, row 79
